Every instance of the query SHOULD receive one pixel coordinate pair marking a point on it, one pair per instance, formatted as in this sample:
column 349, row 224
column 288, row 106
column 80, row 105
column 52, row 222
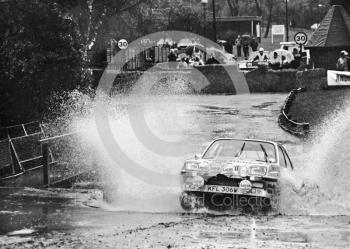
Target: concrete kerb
column 285, row 120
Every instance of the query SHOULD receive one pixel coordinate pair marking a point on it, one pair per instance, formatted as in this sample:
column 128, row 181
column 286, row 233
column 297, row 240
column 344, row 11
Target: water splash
column 320, row 185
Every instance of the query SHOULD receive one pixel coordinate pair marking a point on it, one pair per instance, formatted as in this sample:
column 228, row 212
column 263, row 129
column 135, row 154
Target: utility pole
column 214, row 22
column 204, row 3
column 287, row 21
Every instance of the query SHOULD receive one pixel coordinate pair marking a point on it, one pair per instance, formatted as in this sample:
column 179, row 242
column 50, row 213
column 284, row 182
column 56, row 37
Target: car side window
column 289, row 162
column 283, row 161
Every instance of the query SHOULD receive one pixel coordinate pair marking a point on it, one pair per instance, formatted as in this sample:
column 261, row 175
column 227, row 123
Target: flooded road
column 147, row 214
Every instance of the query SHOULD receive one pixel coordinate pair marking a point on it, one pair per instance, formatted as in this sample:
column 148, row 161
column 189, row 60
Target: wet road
column 144, row 215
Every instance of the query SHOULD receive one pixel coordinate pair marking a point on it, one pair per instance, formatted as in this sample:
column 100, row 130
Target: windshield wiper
column 265, row 153
column 241, row 151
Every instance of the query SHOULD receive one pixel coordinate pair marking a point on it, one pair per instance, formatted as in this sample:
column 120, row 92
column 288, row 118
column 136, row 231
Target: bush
column 41, row 53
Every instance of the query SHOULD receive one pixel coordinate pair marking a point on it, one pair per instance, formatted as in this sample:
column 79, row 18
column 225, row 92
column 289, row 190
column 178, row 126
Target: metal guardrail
column 45, row 148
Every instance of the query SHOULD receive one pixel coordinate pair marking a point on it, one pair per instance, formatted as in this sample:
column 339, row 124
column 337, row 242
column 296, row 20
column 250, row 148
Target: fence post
column 45, row 151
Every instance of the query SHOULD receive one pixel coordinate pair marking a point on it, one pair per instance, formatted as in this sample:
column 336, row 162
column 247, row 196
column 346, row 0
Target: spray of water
column 165, row 118
column 319, row 185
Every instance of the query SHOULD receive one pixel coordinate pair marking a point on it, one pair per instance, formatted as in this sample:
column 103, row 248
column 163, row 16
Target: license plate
column 221, row 189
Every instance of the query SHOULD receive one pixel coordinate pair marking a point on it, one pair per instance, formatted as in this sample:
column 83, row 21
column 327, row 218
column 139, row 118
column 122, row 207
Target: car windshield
column 246, row 150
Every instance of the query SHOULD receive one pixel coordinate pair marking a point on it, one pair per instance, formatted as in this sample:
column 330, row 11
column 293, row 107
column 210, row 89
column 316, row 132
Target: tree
column 258, row 7
column 41, row 53
column 345, row 3
column 234, row 7
column 269, row 7
column 92, row 15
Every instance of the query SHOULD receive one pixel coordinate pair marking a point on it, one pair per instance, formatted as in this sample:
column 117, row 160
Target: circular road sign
column 123, row 44
column 300, row 38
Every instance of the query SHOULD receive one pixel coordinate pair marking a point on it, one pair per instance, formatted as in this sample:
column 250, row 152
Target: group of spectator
column 278, row 61
column 194, row 59
column 244, row 43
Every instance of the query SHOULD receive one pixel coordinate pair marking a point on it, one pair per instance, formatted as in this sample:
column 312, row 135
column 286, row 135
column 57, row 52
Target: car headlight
column 243, row 171
column 191, row 166
column 195, row 181
column 228, row 170
column 258, row 170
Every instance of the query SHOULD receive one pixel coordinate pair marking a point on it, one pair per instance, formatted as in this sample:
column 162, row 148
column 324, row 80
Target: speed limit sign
column 123, row 44
column 300, row 38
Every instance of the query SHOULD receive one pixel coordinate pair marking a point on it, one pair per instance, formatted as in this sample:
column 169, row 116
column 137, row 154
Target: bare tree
column 269, row 5
column 234, row 7
column 258, row 7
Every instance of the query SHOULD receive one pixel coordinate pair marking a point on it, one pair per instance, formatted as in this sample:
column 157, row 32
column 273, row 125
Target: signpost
column 300, row 38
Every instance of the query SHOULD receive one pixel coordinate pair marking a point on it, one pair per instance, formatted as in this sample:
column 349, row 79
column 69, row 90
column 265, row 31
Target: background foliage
column 45, row 45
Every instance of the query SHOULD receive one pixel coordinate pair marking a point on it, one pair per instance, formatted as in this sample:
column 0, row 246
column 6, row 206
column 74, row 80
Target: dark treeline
column 45, row 44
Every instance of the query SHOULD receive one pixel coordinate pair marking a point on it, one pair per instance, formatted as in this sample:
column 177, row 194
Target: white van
column 289, row 46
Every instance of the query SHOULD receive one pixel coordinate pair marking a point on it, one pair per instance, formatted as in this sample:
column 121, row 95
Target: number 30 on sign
column 300, row 38
column 123, row 44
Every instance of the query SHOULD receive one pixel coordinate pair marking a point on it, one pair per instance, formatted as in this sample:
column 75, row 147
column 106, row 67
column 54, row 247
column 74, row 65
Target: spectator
column 343, row 61
column 238, row 43
column 197, row 62
column 297, row 59
column 254, row 44
column 182, row 64
column 197, row 53
column 275, row 62
column 261, row 56
column 246, row 48
column 212, row 60
column 284, row 63
column 172, row 57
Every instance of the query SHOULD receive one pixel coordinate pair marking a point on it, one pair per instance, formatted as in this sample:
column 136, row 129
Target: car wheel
column 190, row 201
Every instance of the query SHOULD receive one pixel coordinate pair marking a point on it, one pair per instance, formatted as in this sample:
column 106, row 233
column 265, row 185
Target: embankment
column 317, row 103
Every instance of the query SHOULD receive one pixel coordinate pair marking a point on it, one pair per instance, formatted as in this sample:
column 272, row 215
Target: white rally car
column 234, row 174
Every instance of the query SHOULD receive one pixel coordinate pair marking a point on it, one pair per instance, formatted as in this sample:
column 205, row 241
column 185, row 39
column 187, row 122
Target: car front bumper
column 218, row 189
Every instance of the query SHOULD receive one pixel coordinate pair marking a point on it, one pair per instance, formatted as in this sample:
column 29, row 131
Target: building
column 331, row 37
column 238, row 25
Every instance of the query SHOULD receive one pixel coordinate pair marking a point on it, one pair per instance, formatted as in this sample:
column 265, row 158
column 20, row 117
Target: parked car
column 250, row 64
column 234, row 174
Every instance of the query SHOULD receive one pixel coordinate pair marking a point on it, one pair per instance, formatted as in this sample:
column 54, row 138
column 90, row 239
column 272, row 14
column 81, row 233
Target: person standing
column 212, row 60
column 238, row 44
column 254, row 44
column 246, row 48
column 343, row 61
column 172, row 57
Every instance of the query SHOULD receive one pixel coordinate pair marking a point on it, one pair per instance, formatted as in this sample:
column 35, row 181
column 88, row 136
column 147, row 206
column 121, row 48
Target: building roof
column 334, row 30
column 236, row 18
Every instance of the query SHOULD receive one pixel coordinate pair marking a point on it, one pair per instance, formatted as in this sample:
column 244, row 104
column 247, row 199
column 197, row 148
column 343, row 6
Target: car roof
column 245, row 139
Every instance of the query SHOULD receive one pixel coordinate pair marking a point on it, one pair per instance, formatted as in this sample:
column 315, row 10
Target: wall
column 213, row 79
column 266, row 80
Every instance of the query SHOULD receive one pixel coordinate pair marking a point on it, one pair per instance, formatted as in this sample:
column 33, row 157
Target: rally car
column 234, row 174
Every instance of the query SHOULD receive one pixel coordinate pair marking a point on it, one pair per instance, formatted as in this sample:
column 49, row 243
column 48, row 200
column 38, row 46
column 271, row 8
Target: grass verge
column 316, row 106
